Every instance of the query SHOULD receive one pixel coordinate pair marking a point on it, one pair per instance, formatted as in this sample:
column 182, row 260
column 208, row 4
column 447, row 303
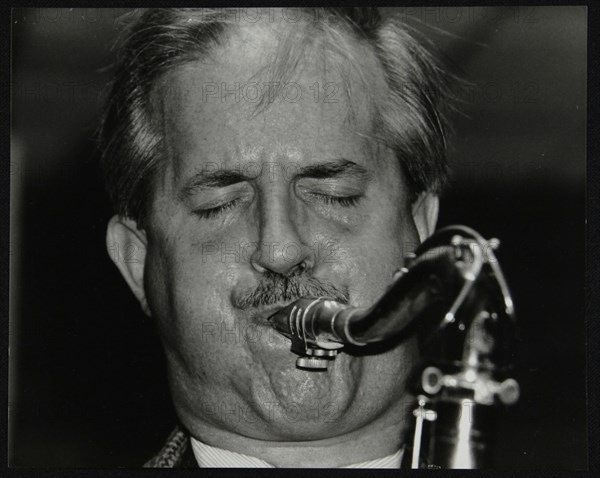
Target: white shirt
column 212, row 457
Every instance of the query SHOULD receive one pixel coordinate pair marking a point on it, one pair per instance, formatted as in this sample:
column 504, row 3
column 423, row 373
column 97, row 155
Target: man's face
column 249, row 208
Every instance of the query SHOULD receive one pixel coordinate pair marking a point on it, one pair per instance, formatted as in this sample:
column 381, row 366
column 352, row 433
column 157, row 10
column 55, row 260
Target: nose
column 281, row 249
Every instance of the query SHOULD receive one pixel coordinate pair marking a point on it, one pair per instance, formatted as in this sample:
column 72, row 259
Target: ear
column 425, row 214
column 126, row 245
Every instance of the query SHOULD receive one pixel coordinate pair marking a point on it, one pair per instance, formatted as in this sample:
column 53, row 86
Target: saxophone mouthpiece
column 280, row 320
column 302, row 322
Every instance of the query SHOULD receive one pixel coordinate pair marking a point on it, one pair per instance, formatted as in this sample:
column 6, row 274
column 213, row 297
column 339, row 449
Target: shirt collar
column 212, row 457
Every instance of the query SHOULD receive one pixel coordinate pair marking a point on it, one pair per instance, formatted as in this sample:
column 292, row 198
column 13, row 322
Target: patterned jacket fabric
column 176, row 452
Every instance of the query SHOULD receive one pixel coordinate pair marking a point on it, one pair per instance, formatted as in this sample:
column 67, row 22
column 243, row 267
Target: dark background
column 87, row 383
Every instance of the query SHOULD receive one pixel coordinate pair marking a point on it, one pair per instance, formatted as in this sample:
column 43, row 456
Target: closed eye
column 344, row 201
column 216, row 211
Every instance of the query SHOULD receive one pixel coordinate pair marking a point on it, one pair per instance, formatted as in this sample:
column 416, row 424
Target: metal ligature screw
column 314, row 363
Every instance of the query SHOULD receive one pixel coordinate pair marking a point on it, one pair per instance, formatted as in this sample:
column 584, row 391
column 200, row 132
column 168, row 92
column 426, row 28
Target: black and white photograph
column 292, row 237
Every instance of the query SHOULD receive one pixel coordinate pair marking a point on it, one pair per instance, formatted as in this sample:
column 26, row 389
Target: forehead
column 235, row 103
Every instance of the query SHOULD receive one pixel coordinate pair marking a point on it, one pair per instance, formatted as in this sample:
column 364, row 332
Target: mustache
column 275, row 288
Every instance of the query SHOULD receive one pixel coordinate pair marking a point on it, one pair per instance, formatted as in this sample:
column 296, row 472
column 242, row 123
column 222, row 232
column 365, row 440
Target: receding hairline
column 408, row 120
column 366, row 75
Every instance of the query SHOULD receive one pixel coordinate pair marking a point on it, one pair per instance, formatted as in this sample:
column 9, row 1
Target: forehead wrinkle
column 330, row 59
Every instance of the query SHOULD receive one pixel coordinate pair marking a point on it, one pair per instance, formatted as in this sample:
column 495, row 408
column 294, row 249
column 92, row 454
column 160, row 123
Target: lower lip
column 281, row 346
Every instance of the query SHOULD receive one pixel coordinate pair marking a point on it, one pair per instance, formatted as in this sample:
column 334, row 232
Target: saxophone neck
column 320, row 326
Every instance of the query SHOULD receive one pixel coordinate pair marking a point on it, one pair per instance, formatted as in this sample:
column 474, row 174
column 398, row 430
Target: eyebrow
column 212, row 179
column 333, row 169
column 218, row 179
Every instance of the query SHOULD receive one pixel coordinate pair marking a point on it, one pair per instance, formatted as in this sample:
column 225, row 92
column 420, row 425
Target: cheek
column 376, row 252
column 185, row 287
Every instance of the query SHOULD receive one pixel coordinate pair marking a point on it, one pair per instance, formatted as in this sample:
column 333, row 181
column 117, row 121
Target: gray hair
column 409, row 120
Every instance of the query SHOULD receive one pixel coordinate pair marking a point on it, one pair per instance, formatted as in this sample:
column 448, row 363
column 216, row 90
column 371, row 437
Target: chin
column 303, row 404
